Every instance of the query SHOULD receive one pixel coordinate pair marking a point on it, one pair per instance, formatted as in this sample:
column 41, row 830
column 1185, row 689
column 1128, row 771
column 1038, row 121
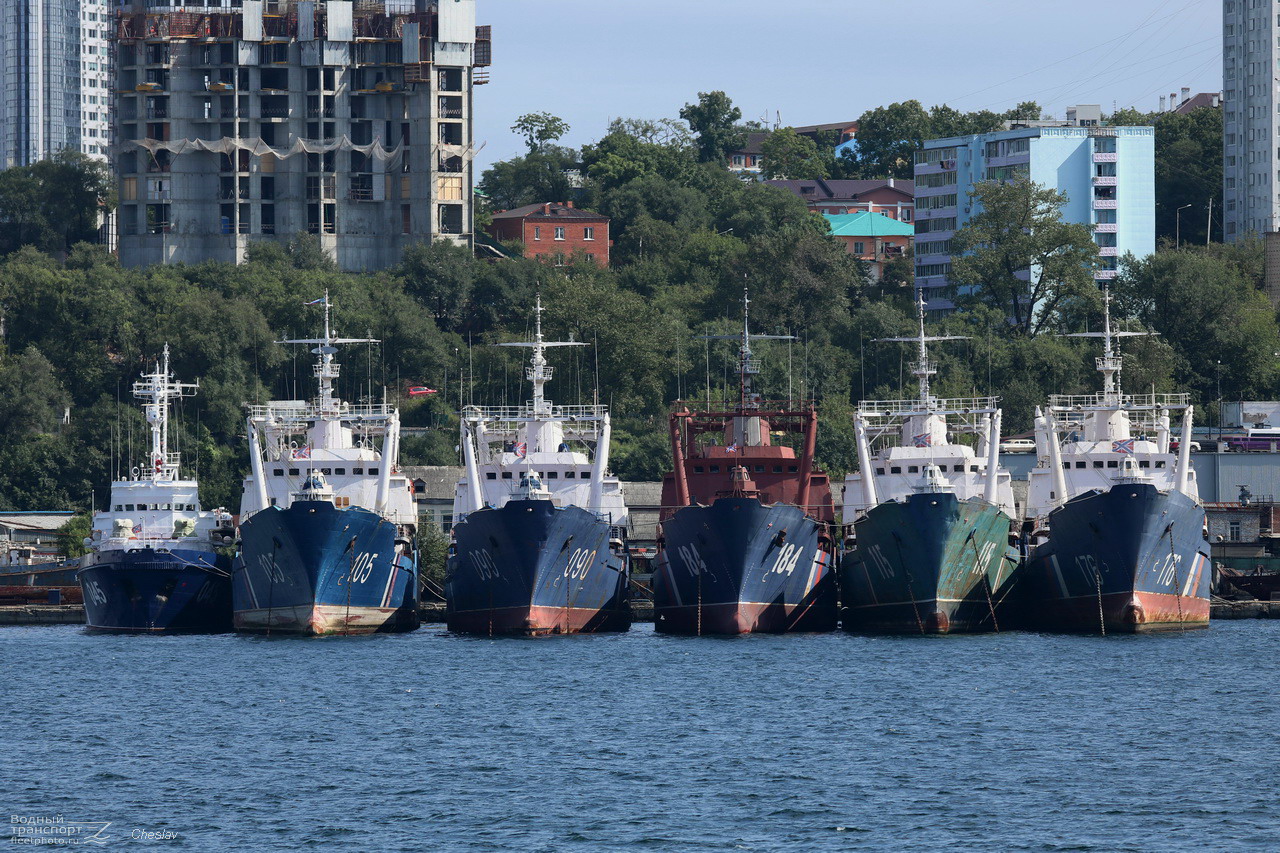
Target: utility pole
column 1208, row 224
column 1177, row 226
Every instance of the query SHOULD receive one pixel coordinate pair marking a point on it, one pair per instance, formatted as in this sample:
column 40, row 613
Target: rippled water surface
column 429, row 741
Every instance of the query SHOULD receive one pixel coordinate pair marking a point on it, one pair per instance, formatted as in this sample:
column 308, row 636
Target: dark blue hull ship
column 1130, row 559
column 740, row 566
column 156, row 591
column 531, row 567
column 315, row 569
column 931, row 564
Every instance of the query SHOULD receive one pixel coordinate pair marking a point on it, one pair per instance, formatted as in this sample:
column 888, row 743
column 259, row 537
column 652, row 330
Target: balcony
column 1109, row 251
column 1104, row 275
column 1104, row 157
column 1106, row 228
column 1105, row 204
column 1104, row 180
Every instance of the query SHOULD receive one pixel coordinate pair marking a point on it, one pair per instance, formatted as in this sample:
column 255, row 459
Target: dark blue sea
column 433, row 742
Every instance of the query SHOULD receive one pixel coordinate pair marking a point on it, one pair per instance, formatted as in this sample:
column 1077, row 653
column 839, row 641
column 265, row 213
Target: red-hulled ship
column 747, row 540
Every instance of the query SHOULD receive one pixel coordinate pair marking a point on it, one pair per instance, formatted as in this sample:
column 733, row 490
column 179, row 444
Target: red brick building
column 894, row 198
column 553, row 231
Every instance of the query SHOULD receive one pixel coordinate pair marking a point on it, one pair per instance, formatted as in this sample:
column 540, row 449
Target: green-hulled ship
column 930, row 517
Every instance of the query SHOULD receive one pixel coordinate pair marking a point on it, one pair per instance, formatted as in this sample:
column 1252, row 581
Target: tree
column 55, row 203
column 439, row 275
column 538, row 129
column 714, row 120
column 787, row 154
column 1017, row 230
column 888, row 137
column 538, row 176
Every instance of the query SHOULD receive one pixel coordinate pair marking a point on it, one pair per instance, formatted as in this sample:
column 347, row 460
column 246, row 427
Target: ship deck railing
column 1072, row 403
column 510, row 417
column 897, row 409
column 299, row 412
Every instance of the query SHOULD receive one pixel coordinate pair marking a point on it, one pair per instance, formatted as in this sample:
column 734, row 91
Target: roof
column 1202, row 99
column 819, row 128
column 550, row 210
column 845, row 190
column 867, row 224
column 754, row 143
column 36, row 521
column 640, row 495
column 439, row 481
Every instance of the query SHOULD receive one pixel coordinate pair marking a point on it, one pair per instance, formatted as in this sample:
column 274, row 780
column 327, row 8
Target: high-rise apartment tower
column 1251, row 118
column 54, row 77
column 262, row 120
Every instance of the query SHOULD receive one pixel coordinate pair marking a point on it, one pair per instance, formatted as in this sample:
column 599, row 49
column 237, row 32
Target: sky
column 816, row 61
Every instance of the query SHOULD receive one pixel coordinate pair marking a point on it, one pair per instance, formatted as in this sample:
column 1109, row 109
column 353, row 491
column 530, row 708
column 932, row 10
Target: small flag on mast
column 321, row 301
column 301, row 453
column 522, row 450
column 924, row 439
column 1124, row 445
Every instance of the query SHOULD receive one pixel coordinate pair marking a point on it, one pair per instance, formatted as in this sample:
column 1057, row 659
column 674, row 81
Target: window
column 357, row 470
column 340, row 471
column 506, row 475
column 537, row 232
column 697, row 469
column 559, row 232
column 715, row 469
column 373, row 472
column 1233, row 531
column 793, row 469
column 588, row 233
column 859, row 247
column 490, row 475
column 879, row 472
column 1097, row 463
column 1079, row 464
column 896, row 469
column 551, row 475
column 1111, row 463
column 277, row 472
column 777, row 469
column 128, row 507
column 913, row 469
column 957, row 468
column 119, row 507
column 569, row 475
column 293, row 472
column 759, row 469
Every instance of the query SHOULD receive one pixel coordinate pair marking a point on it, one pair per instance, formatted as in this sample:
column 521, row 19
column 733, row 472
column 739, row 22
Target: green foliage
column 71, row 535
column 1019, row 227
column 714, row 119
column 787, row 154
column 539, row 176
column 55, row 203
column 538, row 129
column 433, row 553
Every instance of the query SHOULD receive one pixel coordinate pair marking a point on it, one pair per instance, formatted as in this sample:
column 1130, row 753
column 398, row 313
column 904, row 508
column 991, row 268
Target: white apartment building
column 55, row 69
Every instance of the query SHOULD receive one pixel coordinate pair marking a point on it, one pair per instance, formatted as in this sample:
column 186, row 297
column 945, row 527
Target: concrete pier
column 1221, row 609
column 42, row 614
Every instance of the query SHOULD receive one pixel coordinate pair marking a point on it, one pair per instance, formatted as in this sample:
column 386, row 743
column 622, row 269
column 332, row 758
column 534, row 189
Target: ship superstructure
column 930, row 513
column 152, row 563
column 1114, row 523
column 539, row 536
column 746, row 542
column 327, row 524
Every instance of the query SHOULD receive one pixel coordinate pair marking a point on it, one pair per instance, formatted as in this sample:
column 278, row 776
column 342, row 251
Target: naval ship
column 931, row 517
column 327, row 525
column 539, row 545
column 1115, row 528
column 151, row 563
column 747, row 539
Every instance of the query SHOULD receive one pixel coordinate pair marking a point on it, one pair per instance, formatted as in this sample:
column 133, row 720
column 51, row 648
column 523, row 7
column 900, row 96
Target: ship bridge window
column 373, row 472
column 169, row 507
column 277, row 472
column 879, row 472
column 191, row 507
column 759, row 469
column 1068, row 464
column 896, row 469
column 777, row 469
column 1111, row 463
column 273, row 501
column 491, row 475
column 340, row 471
column 328, row 472
column 1079, row 464
column 1145, row 463
column 128, row 507
column 1097, row 463
column 913, row 469
column 1159, row 463
column 293, row 472
column 697, row 469
column 569, row 475
column 119, row 507
column 715, row 469
column 551, row 475
column 506, row 475
column 957, row 468
column 973, row 468
column 357, row 470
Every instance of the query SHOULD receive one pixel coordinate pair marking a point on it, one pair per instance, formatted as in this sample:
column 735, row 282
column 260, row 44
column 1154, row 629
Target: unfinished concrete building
column 262, row 120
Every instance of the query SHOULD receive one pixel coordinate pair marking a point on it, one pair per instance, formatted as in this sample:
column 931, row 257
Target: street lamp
column 1177, row 226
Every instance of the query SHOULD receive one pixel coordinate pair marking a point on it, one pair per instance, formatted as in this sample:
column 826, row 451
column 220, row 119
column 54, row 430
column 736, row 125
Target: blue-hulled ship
column 931, row 517
column 747, row 542
column 539, row 539
column 1115, row 528
column 152, row 563
column 327, row 525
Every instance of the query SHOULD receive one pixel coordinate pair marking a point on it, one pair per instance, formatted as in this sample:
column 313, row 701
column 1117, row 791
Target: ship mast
column 539, row 373
column 158, row 388
column 747, row 366
column 1109, row 362
column 326, row 369
column 922, row 368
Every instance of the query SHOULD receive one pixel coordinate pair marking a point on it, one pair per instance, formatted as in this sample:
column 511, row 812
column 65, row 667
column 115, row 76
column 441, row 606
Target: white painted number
column 580, row 562
column 882, row 562
column 788, row 557
column 361, row 568
column 692, row 560
column 96, row 593
column 482, row 562
column 984, row 557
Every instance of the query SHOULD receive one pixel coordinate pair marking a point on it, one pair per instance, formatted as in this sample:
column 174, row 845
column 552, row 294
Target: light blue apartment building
column 1106, row 173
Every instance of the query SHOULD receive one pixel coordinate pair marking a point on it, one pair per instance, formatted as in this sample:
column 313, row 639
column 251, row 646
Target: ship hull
column 530, row 567
column 315, row 569
column 153, row 592
column 931, row 564
column 1131, row 559
column 739, row 566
